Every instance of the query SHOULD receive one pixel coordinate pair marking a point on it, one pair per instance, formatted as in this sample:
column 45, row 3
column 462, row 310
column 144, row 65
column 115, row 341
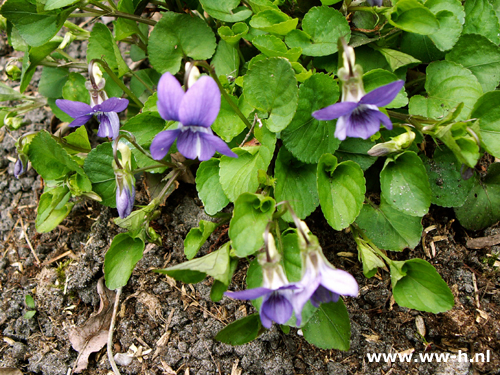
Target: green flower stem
column 138, row 170
column 112, row 13
column 172, row 179
column 68, row 57
column 142, row 81
column 360, row 235
column 119, row 82
column 226, row 96
column 76, row 29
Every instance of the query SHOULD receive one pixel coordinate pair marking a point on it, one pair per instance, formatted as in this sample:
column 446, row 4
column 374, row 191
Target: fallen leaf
column 481, row 242
column 93, row 334
column 10, row 371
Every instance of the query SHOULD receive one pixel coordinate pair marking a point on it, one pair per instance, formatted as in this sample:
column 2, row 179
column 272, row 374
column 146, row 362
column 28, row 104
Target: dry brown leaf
column 10, row 371
column 481, row 242
column 93, row 334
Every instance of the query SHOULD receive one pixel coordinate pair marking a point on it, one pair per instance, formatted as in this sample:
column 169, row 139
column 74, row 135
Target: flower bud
column 13, row 123
column 396, row 144
column 125, row 196
column 21, row 165
column 13, row 72
column 192, row 72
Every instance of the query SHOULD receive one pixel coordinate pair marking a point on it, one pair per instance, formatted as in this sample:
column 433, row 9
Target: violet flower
column 125, row 198
column 358, row 114
column 125, row 182
column 20, row 166
column 321, row 282
column 195, row 110
column 106, row 112
column 373, row 3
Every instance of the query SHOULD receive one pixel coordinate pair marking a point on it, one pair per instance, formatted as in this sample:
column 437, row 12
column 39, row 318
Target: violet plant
column 371, row 111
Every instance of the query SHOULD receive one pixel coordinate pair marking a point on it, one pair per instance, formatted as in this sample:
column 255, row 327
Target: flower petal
column 194, row 144
column 307, row 286
column 384, row 119
column 341, row 128
column 363, row 123
column 112, row 105
column 74, row 109
column 109, row 125
column 218, row 144
column 277, row 308
column 162, row 143
column 383, row 95
column 79, row 121
column 170, row 94
column 335, row 111
column 339, row 281
column 201, row 103
column 323, row 295
column 249, row 294
column 125, row 201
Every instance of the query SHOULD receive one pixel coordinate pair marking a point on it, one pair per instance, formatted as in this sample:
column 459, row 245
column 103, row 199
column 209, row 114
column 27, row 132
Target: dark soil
column 178, row 322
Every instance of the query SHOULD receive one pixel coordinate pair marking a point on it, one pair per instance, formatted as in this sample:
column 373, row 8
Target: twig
column 110, row 334
column 29, row 242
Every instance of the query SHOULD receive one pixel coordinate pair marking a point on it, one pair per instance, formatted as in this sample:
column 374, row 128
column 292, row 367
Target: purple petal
column 277, row 308
column 170, row 94
column 334, row 111
column 307, row 287
column 193, row 144
column 384, row 119
column 323, row 295
column 201, row 103
column 363, row 123
column 383, row 95
column 79, row 121
column 339, row 281
column 125, row 201
column 249, row 294
column 74, row 109
column 109, row 125
column 341, row 127
column 162, row 143
column 112, row 105
column 218, row 144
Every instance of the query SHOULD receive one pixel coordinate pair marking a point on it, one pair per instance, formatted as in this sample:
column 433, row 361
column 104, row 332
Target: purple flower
column 195, row 110
column 20, row 166
column 106, row 113
column 125, row 198
column 321, row 283
column 374, row 3
column 359, row 117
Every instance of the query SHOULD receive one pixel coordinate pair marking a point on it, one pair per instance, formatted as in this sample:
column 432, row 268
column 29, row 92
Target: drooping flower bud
column 125, row 182
column 396, row 144
column 21, row 165
column 192, row 73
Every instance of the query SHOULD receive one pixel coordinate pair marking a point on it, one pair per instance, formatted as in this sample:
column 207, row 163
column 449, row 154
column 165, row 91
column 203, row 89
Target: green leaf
column 292, row 259
column 482, row 207
column 241, row 331
column 197, row 237
column 447, row 84
column 412, row 16
column 371, row 262
column 272, row 46
column 251, row 214
column 448, row 187
column 218, row 287
column 379, row 77
column 50, row 159
column 329, row 327
column 226, row 60
column 8, row 93
column 232, row 35
column 295, row 183
column 121, row 258
column 102, row 43
column 480, row 56
column 34, row 27
column 209, row 187
column 274, row 21
column 137, row 222
column 56, row 4
column 460, row 142
column 405, row 185
column 321, row 29
column 227, row 11
column 422, row 288
column 74, row 88
column 215, row 264
column 240, row 175
column 53, row 208
column 228, row 124
column 356, row 149
column 52, row 81
column 389, row 228
column 487, row 110
column 124, row 28
column 29, row 314
column 341, row 190
column 308, row 138
column 79, row 139
column 177, row 35
column 30, row 302
column 480, row 18
column 397, row 59
column 454, row 6
column 278, row 96
column 98, row 167
column 33, row 57
column 449, row 31
column 420, row 47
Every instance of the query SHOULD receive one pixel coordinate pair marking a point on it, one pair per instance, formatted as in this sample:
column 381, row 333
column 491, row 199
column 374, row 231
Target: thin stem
column 142, row 81
column 255, row 118
column 113, row 13
column 68, row 57
column 138, row 170
column 164, row 191
column 224, row 93
column 119, row 82
column 111, row 329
